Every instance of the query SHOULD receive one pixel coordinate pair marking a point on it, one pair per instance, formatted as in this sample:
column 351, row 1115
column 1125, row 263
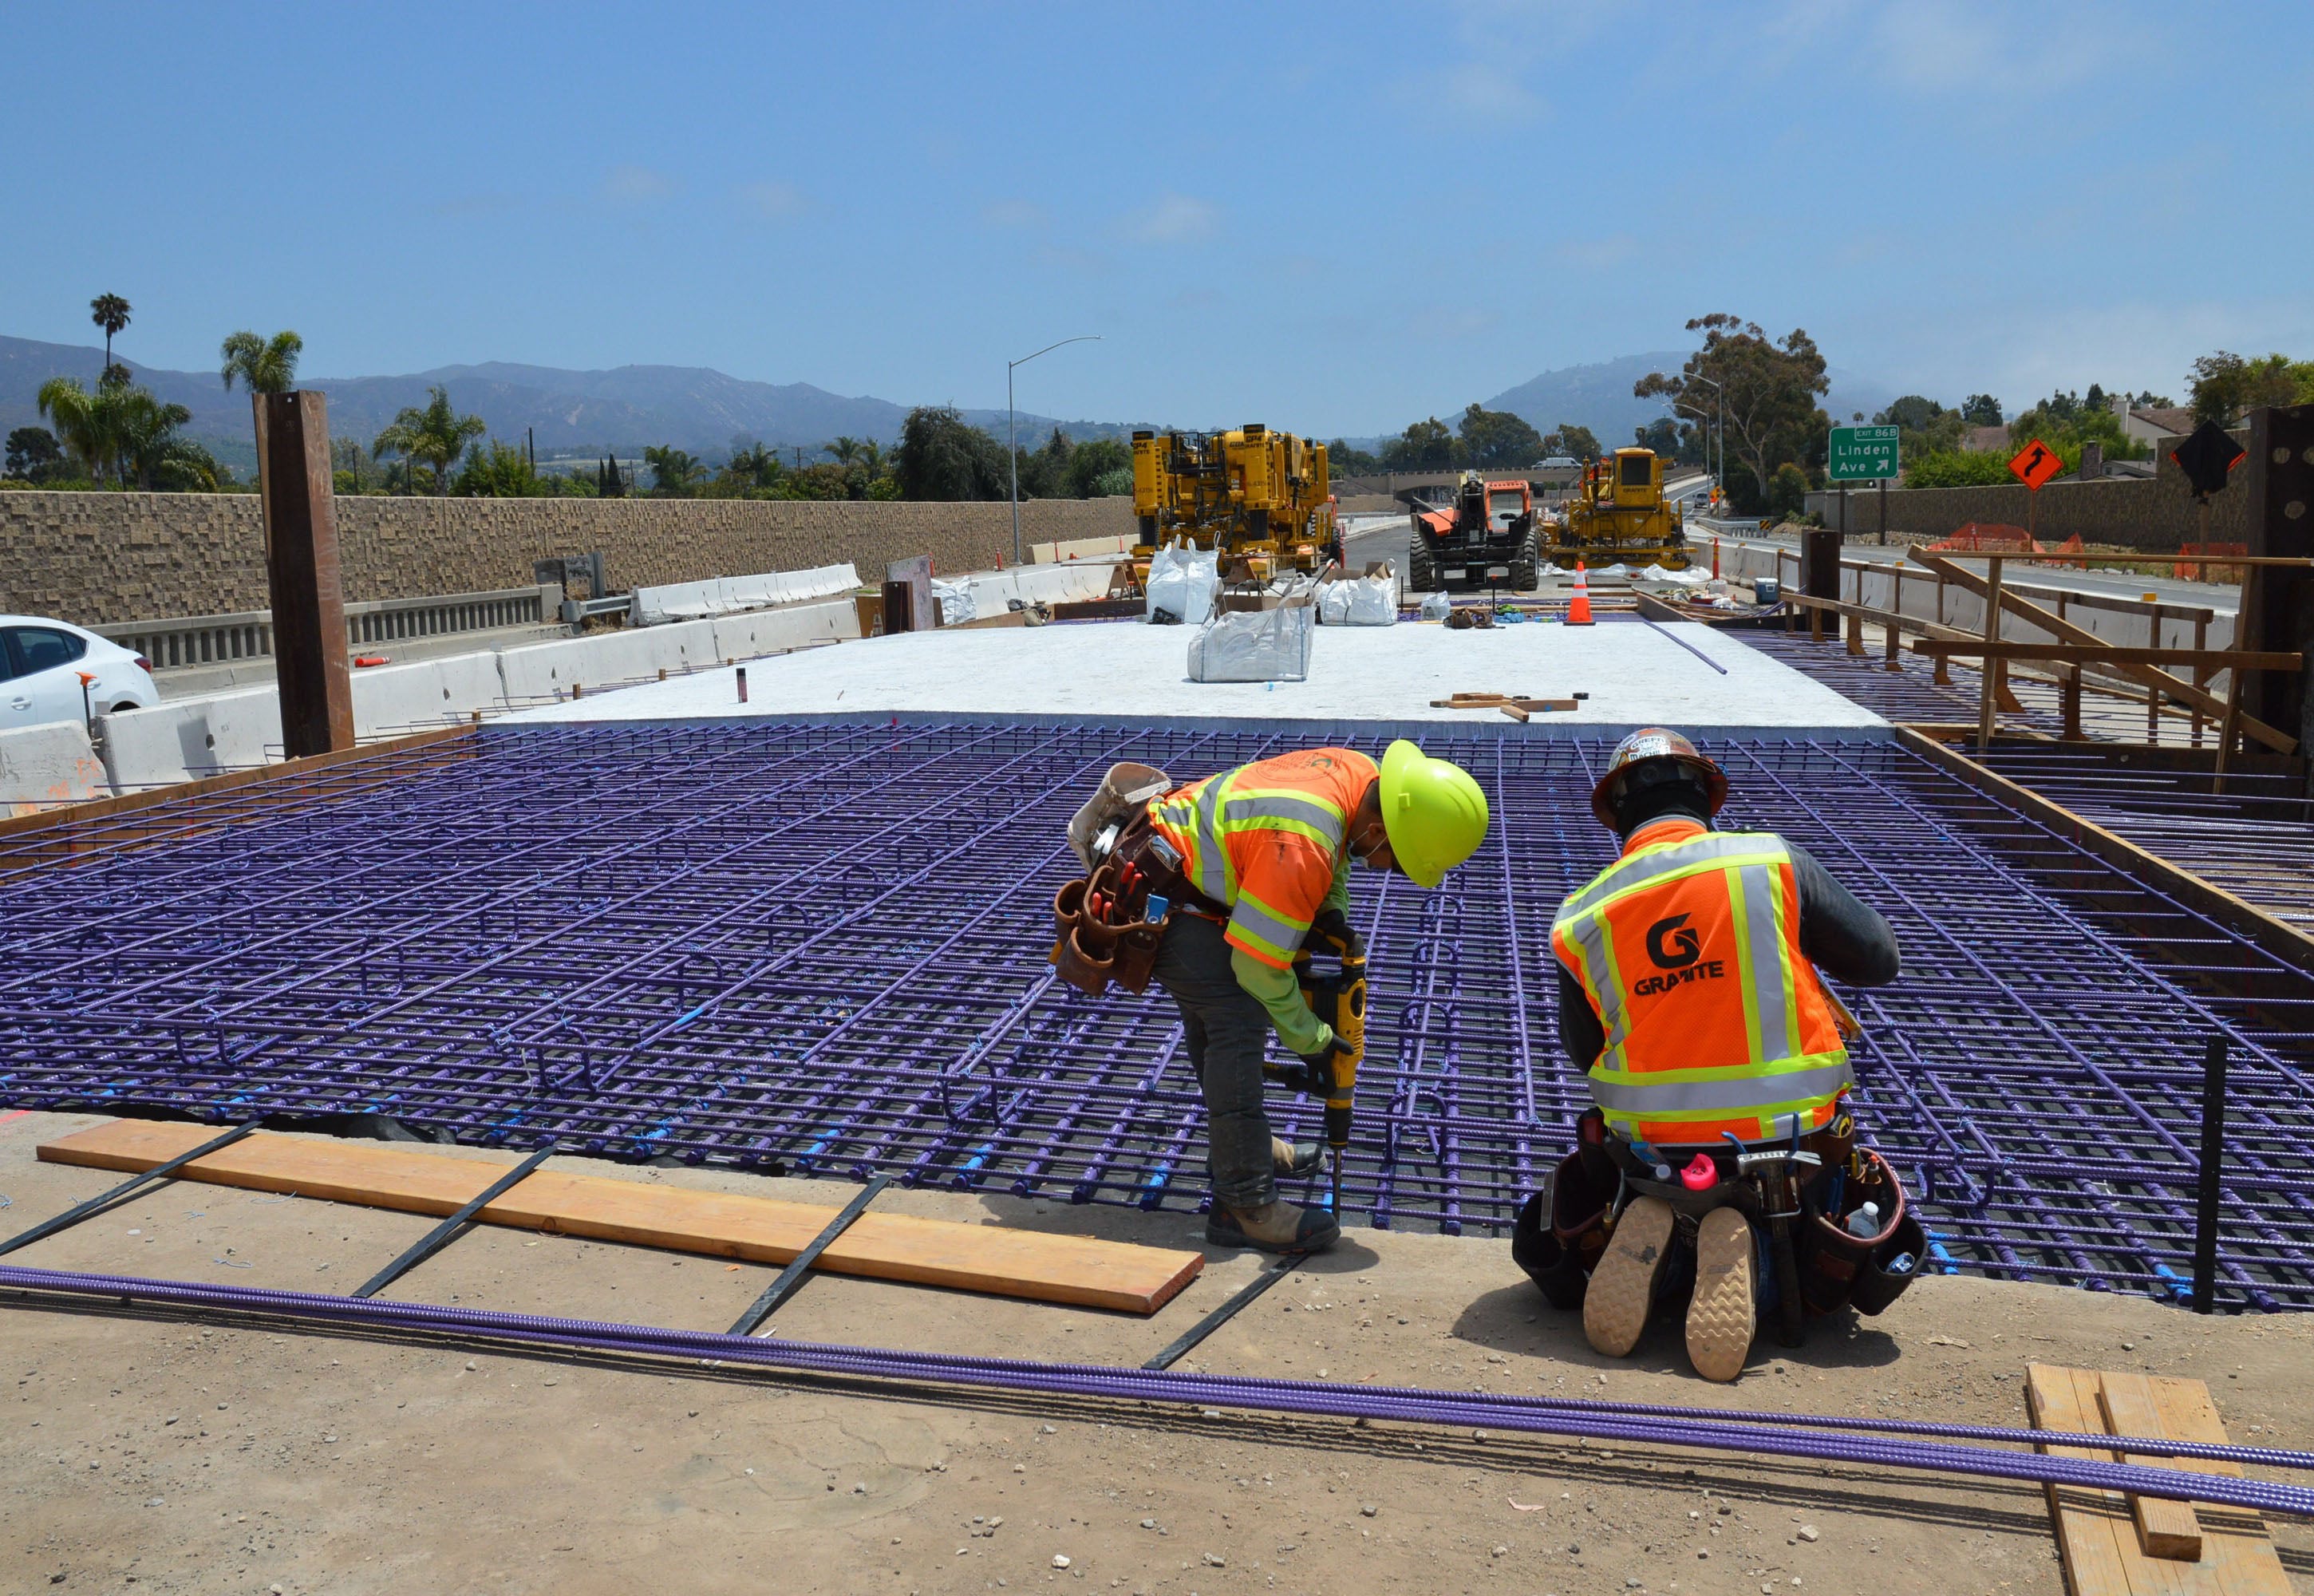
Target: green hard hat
column 1433, row 810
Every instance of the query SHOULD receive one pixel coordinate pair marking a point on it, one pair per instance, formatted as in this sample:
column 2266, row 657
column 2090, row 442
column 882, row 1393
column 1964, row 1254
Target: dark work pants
column 1227, row 1028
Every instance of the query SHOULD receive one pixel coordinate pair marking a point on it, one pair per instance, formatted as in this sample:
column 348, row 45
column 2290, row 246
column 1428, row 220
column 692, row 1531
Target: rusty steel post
column 2278, row 616
column 295, row 488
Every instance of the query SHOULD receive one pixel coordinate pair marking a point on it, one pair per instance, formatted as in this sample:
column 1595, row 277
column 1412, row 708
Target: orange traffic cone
column 1578, row 608
column 1715, row 559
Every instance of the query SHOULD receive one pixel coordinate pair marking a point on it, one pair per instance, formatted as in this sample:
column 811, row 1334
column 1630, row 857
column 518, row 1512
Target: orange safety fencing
column 2203, row 570
column 1987, row 537
column 1994, row 537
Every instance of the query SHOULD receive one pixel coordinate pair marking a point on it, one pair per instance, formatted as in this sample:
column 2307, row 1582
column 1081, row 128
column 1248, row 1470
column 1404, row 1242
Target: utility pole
column 1011, row 429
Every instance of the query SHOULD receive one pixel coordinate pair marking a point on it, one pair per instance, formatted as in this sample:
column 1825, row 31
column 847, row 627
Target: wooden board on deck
column 2097, row 1535
column 972, row 1258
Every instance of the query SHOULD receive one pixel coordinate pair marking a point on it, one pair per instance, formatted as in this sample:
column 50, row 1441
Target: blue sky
column 1336, row 218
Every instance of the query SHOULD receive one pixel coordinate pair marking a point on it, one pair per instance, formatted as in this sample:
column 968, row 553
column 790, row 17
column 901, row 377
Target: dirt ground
column 151, row 1453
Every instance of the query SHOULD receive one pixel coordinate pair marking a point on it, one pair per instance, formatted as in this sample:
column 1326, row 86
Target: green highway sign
column 1861, row 454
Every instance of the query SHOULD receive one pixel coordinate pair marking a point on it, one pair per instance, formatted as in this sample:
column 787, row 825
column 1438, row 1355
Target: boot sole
column 1214, row 1237
column 1622, row 1287
column 1724, row 1313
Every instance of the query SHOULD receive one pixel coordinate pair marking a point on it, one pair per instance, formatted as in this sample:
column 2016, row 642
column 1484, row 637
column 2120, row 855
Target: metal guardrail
column 217, row 639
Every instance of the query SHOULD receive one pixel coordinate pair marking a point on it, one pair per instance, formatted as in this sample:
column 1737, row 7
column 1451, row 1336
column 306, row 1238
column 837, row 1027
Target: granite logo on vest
column 1648, row 986
column 1685, row 946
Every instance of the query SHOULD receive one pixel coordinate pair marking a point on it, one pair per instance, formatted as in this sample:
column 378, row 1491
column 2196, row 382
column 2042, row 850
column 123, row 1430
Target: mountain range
column 582, row 413
column 1599, row 396
column 566, row 412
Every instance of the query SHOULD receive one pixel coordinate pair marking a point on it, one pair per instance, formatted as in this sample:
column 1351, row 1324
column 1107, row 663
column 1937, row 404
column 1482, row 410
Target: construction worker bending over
column 1255, row 862
column 1688, row 989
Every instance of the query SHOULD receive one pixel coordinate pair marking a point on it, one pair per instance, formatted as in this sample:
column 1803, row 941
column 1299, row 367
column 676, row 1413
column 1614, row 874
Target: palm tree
column 845, row 449
column 109, row 312
column 84, row 423
column 144, row 433
column 264, row 365
column 436, row 436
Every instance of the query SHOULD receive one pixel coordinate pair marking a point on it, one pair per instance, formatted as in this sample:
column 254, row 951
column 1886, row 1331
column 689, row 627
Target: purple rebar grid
column 1787, row 1435
column 2255, row 837
column 822, row 946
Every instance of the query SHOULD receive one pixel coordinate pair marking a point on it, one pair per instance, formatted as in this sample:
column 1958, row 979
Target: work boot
column 1295, row 1158
column 1724, row 1311
column 1274, row 1227
column 1622, row 1287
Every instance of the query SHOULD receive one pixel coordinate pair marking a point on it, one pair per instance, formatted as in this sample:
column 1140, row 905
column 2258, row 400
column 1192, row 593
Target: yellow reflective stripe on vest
column 1194, row 812
column 1771, row 1007
column 1602, row 980
column 1654, row 863
column 1270, row 931
column 1793, row 1086
column 1269, row 809
column 1212, row 811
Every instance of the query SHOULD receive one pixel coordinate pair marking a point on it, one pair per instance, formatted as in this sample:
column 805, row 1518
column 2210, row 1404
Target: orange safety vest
column 1689, row 948
column 1265, row 840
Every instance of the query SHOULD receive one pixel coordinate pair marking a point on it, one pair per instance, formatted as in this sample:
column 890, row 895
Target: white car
column 42, row 661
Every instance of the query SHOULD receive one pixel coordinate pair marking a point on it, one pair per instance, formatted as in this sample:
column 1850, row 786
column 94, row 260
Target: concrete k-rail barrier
column 1910, row 590
column 183, row 739
column 731, row 595
column 44, row 766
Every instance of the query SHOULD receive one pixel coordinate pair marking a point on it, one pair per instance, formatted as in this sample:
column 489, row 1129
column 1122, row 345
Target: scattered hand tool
column 1515, row 705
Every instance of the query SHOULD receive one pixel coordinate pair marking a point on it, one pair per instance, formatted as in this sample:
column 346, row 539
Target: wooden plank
column 2165, row 1528
column 2235, row 1544
column 2108, row 654
column 2091, row 1525
column 2096, row 1538
column 971, row 1257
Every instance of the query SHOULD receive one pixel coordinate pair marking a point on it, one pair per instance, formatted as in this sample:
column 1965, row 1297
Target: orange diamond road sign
column 2034, row 464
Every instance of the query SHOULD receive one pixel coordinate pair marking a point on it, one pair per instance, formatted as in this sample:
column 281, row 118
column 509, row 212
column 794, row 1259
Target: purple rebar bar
column 822, row 947
column 1791, row 1435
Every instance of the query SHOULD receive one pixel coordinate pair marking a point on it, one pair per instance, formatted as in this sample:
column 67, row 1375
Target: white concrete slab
column 1366, row 680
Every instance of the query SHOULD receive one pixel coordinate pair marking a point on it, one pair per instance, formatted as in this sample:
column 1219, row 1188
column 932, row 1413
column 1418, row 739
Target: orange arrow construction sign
column 2034, row 464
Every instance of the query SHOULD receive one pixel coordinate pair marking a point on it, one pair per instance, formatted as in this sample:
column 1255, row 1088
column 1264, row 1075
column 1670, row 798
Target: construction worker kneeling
column 1718, row 1161
column 1222, row 890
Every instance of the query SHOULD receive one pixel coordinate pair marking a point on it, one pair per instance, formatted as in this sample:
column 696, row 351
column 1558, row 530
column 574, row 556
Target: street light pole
column 1012, row 429
column 1720, row 480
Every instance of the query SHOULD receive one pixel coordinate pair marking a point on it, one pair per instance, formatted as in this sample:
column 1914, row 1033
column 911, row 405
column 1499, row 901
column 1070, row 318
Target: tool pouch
column 1116, row 941
column 1137, row 954
column 1838, row 1269
column 1561, row 1231
column 1083, row 952
column 1876, row 1284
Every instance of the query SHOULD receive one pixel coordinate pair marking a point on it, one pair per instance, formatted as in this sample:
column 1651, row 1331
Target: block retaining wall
column 98, row 557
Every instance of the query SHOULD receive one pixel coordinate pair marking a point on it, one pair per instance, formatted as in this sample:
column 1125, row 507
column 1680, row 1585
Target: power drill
column 1336, row 995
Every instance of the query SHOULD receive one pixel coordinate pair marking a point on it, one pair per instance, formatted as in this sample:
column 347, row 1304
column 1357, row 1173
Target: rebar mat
column 821, row 947
column 2254, row 836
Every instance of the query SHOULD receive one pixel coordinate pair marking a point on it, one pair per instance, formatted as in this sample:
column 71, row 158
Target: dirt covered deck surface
column 150, row 1454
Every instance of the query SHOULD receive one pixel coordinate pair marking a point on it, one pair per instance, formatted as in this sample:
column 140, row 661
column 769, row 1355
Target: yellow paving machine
column 1248, row 492
column 1619, row 515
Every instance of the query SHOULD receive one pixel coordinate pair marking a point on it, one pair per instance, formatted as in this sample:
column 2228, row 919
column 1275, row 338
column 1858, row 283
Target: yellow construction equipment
column 1619, row 515
column 1248, row 492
